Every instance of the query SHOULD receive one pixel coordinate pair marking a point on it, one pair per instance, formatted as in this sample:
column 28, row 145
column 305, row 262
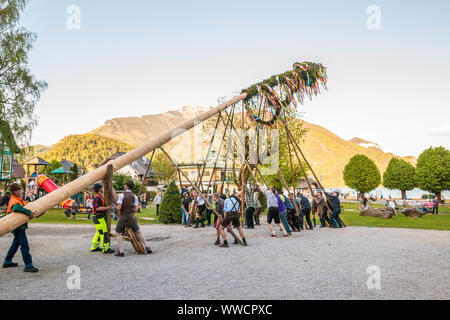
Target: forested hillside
column 86, row 150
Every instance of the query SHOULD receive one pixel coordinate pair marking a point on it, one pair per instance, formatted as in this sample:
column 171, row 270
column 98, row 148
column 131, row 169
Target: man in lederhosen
column 231, row 215
column 127, row 204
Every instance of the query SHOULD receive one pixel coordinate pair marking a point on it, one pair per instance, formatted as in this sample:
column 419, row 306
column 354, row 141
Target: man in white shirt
column 157, row 201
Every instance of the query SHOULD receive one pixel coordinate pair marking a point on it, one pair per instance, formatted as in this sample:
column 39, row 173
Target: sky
column 389, row 85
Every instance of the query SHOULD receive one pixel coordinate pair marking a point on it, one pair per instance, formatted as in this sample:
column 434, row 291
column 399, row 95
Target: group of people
column 289, row 213
column 126, row 206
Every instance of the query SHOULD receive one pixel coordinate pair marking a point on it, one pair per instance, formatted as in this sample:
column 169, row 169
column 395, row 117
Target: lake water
column 396, row 194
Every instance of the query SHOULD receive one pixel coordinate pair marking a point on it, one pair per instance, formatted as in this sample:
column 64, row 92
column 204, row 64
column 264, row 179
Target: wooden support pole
column 40, row 206
column 146, row 173
column 307, row 163
column 246, row 162
column 287, row 188
column 109, row 194
column 201, row 195
column 293, row 200
column 217, row 157
column 209, row 151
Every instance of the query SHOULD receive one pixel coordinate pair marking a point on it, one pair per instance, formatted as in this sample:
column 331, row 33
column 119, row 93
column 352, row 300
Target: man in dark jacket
column 16, row 204
column 336, row 207
column 320, row 205
column 305, row 209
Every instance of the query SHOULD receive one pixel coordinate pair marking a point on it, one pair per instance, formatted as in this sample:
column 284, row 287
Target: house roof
column 67, row 164
column 62, row 170
column 7, row 136
column 18, row 170
column 37, row 161
column 139, row 166
column 304, row 185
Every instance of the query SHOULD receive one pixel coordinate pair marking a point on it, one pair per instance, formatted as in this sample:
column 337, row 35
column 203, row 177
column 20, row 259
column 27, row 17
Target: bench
column 74, row 210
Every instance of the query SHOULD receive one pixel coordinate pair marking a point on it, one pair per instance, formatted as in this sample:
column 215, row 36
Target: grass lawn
column 58, row 216
column 350, row 216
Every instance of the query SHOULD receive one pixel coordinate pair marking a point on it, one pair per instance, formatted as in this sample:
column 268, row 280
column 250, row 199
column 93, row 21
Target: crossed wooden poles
column 40, row 206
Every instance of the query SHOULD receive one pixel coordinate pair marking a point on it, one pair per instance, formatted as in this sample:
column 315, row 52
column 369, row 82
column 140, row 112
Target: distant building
column 36, row 164
column 67, row 165
column 136, row 169
column 215, row 175
column 303, row 185
column 18, row 170
column 8, row 148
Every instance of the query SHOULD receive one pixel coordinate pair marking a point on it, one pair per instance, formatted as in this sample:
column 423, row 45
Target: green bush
column 170, row 208
column 262, row 199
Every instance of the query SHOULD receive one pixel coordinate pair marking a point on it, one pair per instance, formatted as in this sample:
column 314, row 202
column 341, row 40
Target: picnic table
column 74, row 210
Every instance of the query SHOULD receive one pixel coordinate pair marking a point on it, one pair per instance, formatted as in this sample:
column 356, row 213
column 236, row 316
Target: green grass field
column 58, row 216
column 350, row 216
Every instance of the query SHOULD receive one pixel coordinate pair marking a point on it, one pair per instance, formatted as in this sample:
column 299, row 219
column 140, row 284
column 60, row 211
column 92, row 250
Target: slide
column 48, row 185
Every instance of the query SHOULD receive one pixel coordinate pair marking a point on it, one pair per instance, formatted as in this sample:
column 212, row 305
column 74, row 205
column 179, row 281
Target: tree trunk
column 438, row 196
column 403, row 194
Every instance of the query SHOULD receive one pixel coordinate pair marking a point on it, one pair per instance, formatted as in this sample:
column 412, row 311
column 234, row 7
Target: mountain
column 137, row 130
column 329, row 154
column 326, row 152
column 86, row 150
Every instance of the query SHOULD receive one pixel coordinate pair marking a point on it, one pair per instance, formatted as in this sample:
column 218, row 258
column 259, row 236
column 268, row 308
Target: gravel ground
column 318, row 264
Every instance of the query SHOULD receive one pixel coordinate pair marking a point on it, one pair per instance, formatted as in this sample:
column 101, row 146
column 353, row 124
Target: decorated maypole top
column 274, row 100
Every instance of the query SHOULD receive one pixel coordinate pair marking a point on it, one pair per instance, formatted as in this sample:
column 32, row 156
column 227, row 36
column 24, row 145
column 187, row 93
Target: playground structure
column 270, row 103
column 48, row 185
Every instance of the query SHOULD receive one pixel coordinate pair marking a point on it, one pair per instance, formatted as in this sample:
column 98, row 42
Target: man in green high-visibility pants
column 101, row 238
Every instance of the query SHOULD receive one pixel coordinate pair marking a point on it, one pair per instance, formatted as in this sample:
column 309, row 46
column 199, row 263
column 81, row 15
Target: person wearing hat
column 16, row 204
column 101, row 240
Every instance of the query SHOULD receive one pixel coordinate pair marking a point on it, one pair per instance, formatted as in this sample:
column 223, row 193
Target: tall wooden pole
column 295, row 145
column 40, row 206
column 201, row 195
column 109, row 194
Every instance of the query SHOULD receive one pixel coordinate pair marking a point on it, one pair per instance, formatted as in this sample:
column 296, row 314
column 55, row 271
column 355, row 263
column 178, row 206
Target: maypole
column 269, row 104
column 40, row 206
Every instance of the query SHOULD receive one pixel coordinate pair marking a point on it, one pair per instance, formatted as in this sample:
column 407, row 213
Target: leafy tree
column 433, row 170
column 119, row 180
column 137, row 187
column 169, row 211
column 19, row 90
column 262, row 199
column 399, row 175
column 164, row 166
column 74, row 175
column 362, row 174
column 297, row 130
